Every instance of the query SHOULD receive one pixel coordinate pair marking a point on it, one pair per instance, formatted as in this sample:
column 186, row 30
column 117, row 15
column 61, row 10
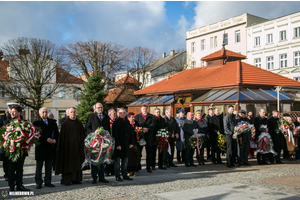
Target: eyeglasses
column 122, row 112
column 99, row 107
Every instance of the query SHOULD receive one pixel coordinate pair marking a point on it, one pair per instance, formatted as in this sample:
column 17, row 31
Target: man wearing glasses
column 94, row 121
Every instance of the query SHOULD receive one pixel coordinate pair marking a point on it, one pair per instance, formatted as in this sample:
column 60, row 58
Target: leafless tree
column 138, row 59
column 31, row 77
column 93, row 57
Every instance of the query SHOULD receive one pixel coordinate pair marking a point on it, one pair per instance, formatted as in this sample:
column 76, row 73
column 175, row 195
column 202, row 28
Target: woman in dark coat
column 203, row 128
column 134, row 156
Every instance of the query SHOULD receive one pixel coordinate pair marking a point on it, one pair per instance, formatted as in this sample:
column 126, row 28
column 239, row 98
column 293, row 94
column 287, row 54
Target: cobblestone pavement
column 149, row 186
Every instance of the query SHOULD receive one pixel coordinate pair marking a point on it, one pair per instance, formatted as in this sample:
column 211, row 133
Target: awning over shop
column 168, row 99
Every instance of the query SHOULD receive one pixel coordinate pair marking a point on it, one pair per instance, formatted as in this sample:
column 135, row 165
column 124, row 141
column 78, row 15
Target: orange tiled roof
column 83, row 77
column 234, row 73
column 130, row 79
column 222, row 53
column 125, row 95
column 3, row 71
column 62, row 76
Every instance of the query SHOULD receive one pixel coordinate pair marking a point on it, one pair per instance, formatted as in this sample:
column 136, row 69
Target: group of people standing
column 63, row 151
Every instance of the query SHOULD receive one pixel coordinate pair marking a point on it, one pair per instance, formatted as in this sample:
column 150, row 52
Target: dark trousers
column 261, row 158
column 200, row 157
column 149, row 156
column 277, row 157
column 123, row 166
column 244, row 149
column 189, row 153
column 215, row 150
column 171, row 157
column 48, row 171
column 154, row 150
column 231, row 150
column 181, row 156
column 95, row 171
column 15, row 172
column 208, row 146
column 163, row 157
column 5, row 166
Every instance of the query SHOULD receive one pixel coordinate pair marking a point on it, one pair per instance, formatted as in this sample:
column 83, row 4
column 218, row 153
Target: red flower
column 110, row 148
column 161, row 138
column 19, row 120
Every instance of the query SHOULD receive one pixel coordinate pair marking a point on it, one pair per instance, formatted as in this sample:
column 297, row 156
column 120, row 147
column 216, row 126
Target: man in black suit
column 15, row 169
column 174, row 130
column 147, row 121
column 261, row 127
column 276, row 135
column 46, row 150
column 208, row 120
column 96, row 120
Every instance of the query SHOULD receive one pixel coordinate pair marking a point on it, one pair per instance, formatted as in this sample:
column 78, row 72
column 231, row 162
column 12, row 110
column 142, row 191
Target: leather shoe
column 236, row 165
column 38, row 186
column 215, row 162
column 76, row 182
column 22, row 188
column 187, row 165
column 279, row 162
column 193, row 165
column 162, row 168
column 172, row 165
column 265, row 163
column 153, row 168
column 220, row 162
column 127, row 178
column 149, row 170
column 94, row 181
column 119, row 179
column 49, row 185
column 246, row 163
column 103, row 181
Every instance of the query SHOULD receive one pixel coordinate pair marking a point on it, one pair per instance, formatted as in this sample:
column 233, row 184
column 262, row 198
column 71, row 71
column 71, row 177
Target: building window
column 226, row 38
column 297, row 78
column 216, row 39
column 202, row 45
column 62, row 93
column 76, row 93
column 282, row 35
column 193, row 47
column 297, row 58
column 297, row 32
column 269, row 38
column 237, row 36
column 211, row 42
column 270, row 63
column 283, row 60
column 193, row 64
column 257, row 41
column 48, row 74
column 17, row 90
column 203, row 63
column 257, row 62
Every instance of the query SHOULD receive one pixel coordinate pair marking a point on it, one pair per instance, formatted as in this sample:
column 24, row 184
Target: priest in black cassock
column 276, row 135
column 70, row 150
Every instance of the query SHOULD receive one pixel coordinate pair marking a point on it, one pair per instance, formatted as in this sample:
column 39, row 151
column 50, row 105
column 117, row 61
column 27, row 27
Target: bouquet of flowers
column 241, row 128
column 17, row 138
column 98, row 148
column 265, row 144
column 297, row 131
column 285, row 126
column 221, row 143
column 139, row 132
column 196, row 141
column 253, row 145
column 162, row 137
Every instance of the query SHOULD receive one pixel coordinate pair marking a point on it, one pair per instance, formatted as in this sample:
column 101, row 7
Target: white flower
column 18, row 145
column 28, row 125
column 12, row 143
column 18, row 129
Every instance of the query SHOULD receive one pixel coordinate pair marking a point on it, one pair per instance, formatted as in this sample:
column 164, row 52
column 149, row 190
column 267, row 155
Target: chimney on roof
column 164, row 54
column 23, row 51
column 172, row 52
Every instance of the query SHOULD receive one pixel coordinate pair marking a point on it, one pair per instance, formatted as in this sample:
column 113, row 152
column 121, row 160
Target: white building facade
column 205, row 40
column 275, row 45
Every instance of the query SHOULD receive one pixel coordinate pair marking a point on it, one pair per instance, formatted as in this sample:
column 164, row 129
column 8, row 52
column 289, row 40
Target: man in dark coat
column 208, row 118
column 62, row 120
column 147, row 122
column 261, row 126
column 123, row 141
column 96, row 120
column 216, row 127
column 229, row 123
column 15, row 169
column 162, row 156
column 174, row 130
column 70, row 150
column 45, row 151
column 188, row 126
column 243, row 139
column 276, row 135
column 297, row 123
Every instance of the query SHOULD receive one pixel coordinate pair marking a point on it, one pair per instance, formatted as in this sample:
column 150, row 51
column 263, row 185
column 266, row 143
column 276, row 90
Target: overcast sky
column 158, row 25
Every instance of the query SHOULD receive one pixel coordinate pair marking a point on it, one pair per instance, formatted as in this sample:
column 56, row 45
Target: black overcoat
column 46, row 151
column 260, row 123
column 215, row 124
column 277, row 138
column 188, row 127
column 93, row 122
column 148, row 123
column 172, row 127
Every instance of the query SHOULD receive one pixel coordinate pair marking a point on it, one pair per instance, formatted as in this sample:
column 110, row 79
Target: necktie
column 46, row 122
column 100, row 117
